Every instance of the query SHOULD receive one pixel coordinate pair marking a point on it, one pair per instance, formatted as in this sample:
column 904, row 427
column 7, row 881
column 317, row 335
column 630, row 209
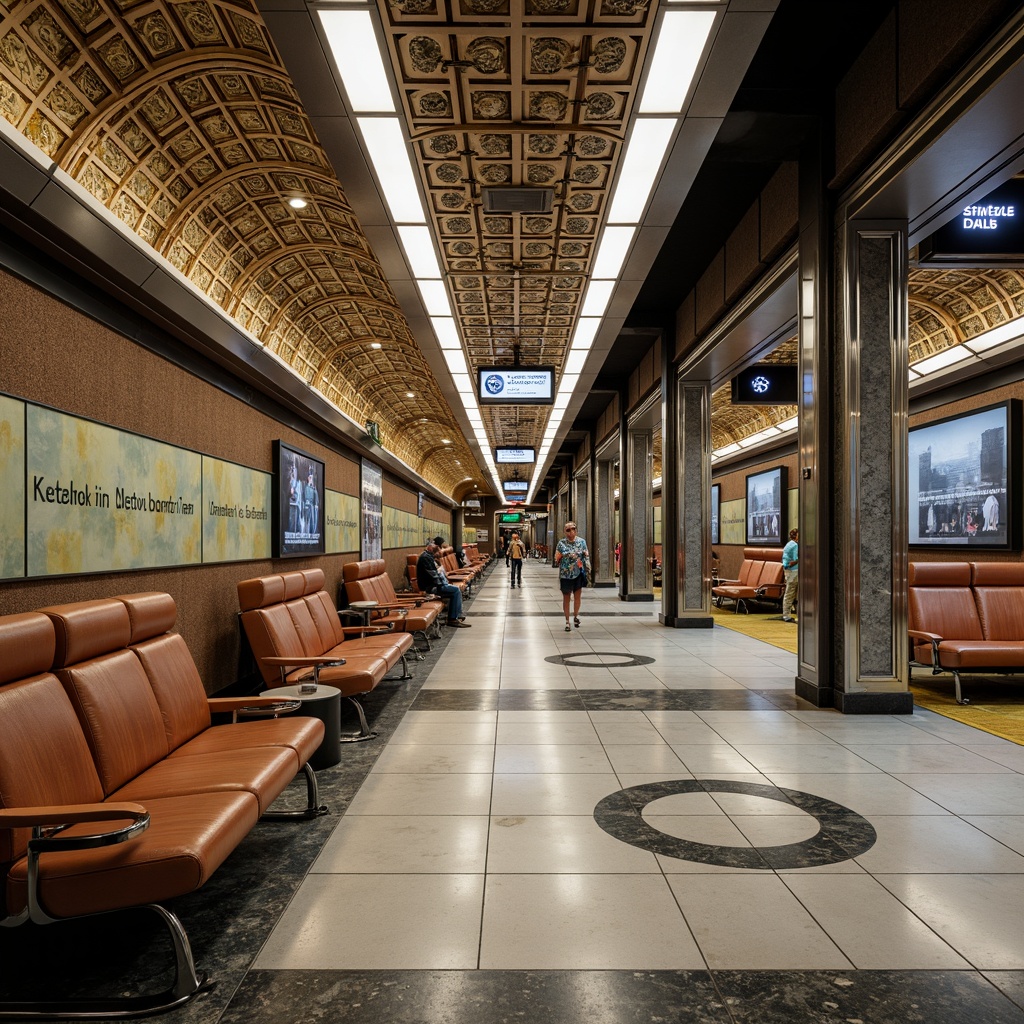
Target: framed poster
column 372, row 500
column 716, row 506
column 963, row 479
column 766, row 513
column 298, row 502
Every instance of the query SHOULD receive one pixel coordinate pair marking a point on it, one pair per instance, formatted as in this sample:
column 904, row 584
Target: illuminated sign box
column 988, row 232
column 516, row 385
column 471, row 503
column 510, row 517
column 515, row 455
column 765, row 384
column 516, row 485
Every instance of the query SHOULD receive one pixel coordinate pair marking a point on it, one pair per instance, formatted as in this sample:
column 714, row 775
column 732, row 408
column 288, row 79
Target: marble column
column 602, row 543
column 691, row 479
column 870, row 667
column 639, row 527
column 581, row 504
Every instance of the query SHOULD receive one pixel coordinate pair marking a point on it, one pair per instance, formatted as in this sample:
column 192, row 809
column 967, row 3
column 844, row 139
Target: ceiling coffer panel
column 181, row 120
column 517, row 112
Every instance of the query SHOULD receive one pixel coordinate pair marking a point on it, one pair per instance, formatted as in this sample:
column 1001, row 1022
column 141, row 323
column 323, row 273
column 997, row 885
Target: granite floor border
column 617, row 997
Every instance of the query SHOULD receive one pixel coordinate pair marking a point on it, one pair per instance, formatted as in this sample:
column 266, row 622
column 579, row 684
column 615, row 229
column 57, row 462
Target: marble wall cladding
column 640, row 519
column 602, row 543
column 581, row 507
column 695, row 429
column 879, row 347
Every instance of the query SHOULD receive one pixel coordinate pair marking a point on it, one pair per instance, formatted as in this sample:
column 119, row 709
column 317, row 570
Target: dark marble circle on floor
column 842, row 834
column 580, row 660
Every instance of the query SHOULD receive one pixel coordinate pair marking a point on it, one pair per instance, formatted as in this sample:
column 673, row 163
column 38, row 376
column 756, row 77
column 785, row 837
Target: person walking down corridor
column 572, row 559
column 516, row 554
column 790, row 560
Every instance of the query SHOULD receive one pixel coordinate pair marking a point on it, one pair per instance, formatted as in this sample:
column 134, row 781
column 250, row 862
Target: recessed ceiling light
column 444, row 440
column 410, row 394
column 375, row 344
column 296, row 203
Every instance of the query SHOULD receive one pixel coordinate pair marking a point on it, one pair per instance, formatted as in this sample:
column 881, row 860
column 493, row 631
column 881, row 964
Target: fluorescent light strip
column 357, row 55
column 599, row 294
column 419, row 250
column 586, row 331
column 574, row 361
column 435, row 298
column 677, row 52
column 612, row 252
column 389, row 154
column 640, row 169
column 939, row 361
column 1011, row 331
column 446, row 331
column 456, row 361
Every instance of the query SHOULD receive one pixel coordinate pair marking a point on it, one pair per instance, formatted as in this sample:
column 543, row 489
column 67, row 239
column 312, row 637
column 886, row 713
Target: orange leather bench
column 295, row 632
column 760, row 578
column 116, row 790
column 369, row 581
column 966, row 616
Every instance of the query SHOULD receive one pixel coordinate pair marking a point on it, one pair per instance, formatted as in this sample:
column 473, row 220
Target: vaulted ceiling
column 180, row 118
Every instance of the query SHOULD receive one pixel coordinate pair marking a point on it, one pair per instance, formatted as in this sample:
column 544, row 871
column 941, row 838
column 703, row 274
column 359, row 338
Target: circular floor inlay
column 842, row 834
column 587, row 659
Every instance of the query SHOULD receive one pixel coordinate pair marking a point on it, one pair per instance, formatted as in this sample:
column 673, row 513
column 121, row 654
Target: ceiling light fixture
column 353, row 43
column 682, row 36
column 389, row 154
column 297, row 203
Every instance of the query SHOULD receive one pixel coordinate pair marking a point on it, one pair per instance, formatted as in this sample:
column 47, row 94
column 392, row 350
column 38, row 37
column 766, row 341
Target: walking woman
column 573, row 561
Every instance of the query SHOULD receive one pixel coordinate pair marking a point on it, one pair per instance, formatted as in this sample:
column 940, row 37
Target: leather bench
column 966, row 616
column 295, row 633
column 116, row 790
column 368, row 580
column 760, row 578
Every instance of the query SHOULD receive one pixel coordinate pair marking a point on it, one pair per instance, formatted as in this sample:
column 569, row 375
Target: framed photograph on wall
column 766, row 507
column 371, row 487
column 298, row 502
column 716, row 507
column 964, row 481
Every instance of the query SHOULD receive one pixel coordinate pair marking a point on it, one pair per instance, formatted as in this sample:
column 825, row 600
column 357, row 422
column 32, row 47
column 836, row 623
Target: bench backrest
column 940, row 600
column 999, row 595
column 290, row 614
column 108, row 688
column 750, row 572
column 368, row 580
column 771, row 575
column 44, row 756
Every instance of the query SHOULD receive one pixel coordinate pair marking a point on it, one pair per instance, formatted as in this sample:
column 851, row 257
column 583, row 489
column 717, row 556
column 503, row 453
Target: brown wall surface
column 56, row 356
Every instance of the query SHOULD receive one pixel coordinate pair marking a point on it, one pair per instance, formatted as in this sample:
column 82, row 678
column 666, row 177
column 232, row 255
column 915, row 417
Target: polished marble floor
column 686, row 814
column 628, row 823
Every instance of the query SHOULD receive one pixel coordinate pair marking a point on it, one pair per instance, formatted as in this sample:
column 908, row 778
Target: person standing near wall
column 572, row 559
column 790, row 560
column 516, row 553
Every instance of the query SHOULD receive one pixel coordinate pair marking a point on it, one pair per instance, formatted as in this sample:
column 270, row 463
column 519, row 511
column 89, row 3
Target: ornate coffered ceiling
column 179, row 118
column 536, row 96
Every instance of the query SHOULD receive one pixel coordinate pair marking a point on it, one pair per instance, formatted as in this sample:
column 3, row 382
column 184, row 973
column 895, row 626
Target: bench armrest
column 57, row 815
column 934, row 639
column 300, row 660
column 251, row 707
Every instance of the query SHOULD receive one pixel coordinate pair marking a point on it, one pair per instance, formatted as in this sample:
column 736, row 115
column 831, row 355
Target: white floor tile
column 584, row 922
column 405, row 844
column 753, row 922
column 385, row 922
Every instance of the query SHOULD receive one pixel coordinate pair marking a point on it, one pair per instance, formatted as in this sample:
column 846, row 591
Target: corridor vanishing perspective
column 633, row 823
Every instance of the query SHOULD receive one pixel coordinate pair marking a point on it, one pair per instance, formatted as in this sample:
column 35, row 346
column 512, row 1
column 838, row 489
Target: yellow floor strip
column 996, row 705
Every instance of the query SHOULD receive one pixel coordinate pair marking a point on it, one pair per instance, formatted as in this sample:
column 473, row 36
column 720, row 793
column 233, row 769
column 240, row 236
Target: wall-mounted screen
column 963, row 479
column 510, row 517
column 766, row 511
column 298, row 502
column 517, row 456
column 516, row 385
column 986, row 233
column 516, row 485
column 766, row 384
column 716, row 504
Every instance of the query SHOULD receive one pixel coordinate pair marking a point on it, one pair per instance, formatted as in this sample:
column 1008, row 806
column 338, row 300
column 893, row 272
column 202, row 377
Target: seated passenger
column 431, row 579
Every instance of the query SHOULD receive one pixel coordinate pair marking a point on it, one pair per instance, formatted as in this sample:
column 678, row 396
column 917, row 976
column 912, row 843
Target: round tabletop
column 322, row 692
